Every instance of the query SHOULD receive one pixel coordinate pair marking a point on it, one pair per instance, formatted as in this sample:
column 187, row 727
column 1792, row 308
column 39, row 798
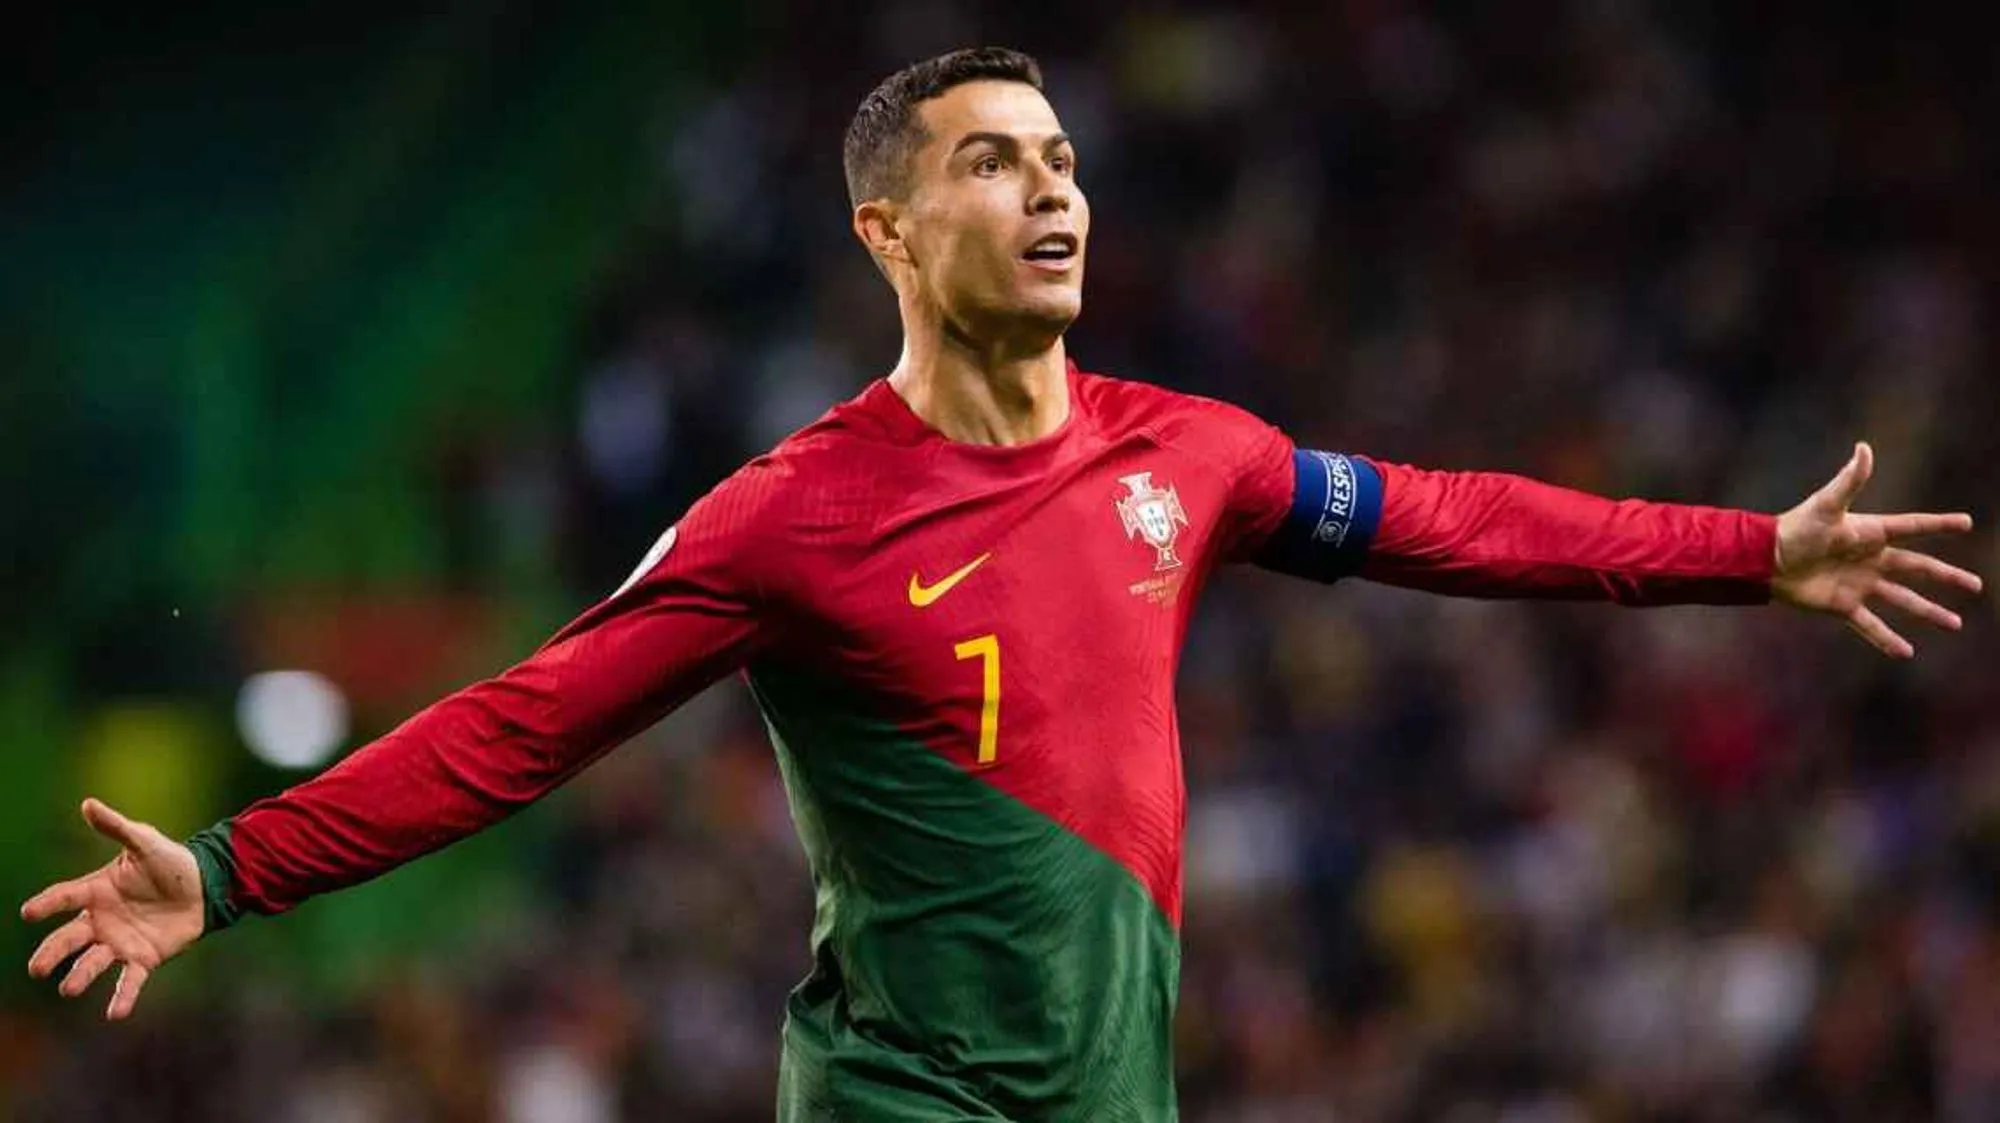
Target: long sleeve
column 690, row 615
column 1487, row 534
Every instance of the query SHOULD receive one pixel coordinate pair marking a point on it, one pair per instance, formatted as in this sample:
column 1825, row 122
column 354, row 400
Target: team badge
column 1152, row 513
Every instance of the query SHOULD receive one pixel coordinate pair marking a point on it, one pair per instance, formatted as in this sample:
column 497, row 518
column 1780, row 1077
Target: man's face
column 995, row 222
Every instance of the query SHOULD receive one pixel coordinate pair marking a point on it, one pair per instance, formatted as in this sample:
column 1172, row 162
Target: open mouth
column 1052, row 250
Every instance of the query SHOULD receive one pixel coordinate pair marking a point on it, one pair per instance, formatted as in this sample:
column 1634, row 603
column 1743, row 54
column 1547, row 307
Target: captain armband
column 1336, row 504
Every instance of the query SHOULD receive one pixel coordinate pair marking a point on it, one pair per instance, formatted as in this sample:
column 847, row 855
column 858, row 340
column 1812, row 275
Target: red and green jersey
column 965, row 656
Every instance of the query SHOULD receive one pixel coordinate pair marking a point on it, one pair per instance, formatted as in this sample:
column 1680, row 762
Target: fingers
column 85, row 970
column 62, row 897
column 131, row 981
column 1918, row 605
column 1840, row 492
column 1871, row 628
column 1910, row 526
column 112, row 825
column 1909, row 563
column 61, row 944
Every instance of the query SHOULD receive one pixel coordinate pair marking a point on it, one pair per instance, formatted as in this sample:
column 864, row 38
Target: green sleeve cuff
column 217, row 860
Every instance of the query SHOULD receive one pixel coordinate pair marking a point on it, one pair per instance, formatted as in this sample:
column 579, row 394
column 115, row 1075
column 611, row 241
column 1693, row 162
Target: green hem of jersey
column 217, row 860
column 907, row 847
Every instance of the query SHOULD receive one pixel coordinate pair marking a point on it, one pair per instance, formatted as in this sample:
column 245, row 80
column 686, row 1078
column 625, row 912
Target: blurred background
column 349, row 351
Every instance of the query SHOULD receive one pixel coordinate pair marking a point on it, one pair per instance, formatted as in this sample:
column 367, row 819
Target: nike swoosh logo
column 923, row 596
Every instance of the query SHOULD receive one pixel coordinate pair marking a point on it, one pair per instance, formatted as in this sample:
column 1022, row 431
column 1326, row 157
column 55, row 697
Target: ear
column 878, row 224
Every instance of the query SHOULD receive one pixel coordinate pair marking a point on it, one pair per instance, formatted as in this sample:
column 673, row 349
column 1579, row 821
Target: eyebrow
column 1004, row 141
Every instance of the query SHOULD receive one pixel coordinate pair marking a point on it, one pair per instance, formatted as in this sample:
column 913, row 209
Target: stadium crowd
column 1447, row 860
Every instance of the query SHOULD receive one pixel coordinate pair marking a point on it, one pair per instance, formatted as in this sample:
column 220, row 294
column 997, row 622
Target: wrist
column 216, row 859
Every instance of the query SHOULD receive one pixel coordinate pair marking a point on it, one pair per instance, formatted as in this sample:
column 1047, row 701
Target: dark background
column 377, row 343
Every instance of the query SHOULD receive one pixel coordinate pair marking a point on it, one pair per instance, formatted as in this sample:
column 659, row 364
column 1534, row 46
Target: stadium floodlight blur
column 292, row 719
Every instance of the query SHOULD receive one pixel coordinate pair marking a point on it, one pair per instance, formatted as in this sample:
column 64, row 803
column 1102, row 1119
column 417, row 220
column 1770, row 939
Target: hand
column 1835, row 561
column 141, row 910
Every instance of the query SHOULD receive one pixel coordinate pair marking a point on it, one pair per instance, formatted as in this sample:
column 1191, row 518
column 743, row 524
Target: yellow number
column 986, row 649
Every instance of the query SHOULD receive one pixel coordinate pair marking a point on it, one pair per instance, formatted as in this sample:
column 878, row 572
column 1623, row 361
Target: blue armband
column 1336, row 504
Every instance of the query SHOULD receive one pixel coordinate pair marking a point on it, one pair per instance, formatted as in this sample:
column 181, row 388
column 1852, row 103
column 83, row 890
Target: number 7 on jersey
column 986, row 648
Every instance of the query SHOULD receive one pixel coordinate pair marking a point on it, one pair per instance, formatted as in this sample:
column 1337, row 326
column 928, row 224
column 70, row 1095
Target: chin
column 1056, row 310
column 1057, row 317
column 1028, row 319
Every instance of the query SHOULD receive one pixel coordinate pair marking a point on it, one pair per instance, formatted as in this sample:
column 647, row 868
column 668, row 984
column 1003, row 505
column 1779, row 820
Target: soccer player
column 959, row 599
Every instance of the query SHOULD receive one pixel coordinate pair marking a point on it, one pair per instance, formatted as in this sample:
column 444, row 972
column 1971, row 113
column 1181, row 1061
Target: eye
column 1063, row 163
column 988, row 164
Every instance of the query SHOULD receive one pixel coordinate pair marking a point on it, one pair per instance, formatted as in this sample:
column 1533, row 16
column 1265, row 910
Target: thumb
column 1841, row 491
column 102, row 819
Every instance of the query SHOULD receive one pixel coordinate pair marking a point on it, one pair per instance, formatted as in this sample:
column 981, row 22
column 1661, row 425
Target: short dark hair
column 886, row 131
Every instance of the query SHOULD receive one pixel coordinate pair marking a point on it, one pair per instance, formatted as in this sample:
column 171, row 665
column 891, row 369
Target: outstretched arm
column 1487, row 534
column 481, row 754
column 688, row 617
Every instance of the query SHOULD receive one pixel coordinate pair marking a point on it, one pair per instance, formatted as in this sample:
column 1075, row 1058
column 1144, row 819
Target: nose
column 1052, row 194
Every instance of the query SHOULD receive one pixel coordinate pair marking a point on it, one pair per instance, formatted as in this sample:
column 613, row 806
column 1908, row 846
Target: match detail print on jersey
column 923, row 596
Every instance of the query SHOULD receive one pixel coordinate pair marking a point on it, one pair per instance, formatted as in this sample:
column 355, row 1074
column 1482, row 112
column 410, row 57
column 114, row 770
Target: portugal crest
column 1152, row 513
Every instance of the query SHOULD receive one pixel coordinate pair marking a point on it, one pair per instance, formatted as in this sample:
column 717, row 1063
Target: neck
column 986, row 394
